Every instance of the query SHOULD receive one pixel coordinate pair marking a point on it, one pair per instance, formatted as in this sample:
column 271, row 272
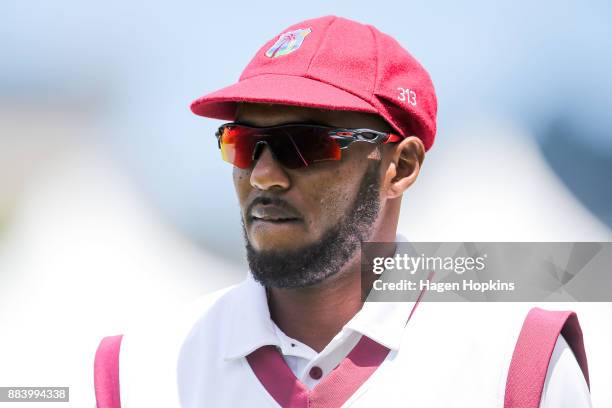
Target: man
column 330, row 124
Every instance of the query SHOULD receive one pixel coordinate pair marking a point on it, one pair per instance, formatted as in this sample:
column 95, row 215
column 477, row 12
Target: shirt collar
column 251, row 327
column 383, row 322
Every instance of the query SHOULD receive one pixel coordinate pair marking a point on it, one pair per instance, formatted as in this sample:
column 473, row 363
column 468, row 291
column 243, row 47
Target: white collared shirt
column 447, row 355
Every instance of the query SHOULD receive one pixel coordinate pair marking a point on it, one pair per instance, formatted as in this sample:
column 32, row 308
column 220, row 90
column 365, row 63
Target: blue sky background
column 545, row 66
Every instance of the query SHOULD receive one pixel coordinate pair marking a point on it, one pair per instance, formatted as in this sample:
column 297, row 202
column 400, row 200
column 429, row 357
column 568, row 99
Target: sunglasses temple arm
column 393, row 138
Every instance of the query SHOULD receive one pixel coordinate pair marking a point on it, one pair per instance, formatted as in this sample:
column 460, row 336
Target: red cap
column 339, row 64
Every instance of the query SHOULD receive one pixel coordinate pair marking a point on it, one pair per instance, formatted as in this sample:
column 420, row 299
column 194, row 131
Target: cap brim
column 277, row 89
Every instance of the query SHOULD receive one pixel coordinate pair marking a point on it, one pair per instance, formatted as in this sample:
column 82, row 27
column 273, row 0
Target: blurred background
column 115, row 205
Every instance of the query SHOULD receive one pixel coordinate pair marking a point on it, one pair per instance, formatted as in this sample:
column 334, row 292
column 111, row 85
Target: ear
column 406, row 161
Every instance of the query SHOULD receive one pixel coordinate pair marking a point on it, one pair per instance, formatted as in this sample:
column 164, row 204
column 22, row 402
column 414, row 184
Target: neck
column 315, row 314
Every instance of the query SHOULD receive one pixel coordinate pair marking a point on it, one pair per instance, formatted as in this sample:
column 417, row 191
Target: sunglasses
column 292, row 145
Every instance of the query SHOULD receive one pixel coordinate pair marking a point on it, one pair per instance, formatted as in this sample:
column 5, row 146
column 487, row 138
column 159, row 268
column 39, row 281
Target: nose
column 267, row 173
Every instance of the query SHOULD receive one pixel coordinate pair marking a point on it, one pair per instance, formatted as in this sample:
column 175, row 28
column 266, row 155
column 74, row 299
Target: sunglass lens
column 293, row 146
column 303, row 146
column 237, row 145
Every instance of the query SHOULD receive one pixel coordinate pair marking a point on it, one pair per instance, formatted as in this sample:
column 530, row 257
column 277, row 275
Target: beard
column 317, row 261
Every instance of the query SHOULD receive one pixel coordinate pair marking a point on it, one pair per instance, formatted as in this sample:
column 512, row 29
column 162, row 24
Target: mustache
column 280, row 203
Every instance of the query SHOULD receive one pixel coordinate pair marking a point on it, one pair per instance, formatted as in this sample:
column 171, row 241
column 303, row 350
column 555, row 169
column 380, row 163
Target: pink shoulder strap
column 533, row 351
column 106, row 372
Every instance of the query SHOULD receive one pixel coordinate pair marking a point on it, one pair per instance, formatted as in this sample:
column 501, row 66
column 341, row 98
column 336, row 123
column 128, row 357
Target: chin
column 268, row 243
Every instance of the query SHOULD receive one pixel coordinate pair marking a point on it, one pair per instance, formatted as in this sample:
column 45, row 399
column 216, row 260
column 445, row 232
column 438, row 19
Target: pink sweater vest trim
column 106, row 373
column 532, row 353
column 333, row 391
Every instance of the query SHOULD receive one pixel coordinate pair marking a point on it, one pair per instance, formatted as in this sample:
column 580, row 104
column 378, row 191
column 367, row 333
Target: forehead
column 259, row 114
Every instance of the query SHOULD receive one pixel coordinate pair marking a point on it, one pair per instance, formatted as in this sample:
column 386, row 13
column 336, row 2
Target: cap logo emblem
column 288, row 42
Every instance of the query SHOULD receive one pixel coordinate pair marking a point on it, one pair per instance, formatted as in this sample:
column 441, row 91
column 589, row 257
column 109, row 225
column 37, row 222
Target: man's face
column 312, row 218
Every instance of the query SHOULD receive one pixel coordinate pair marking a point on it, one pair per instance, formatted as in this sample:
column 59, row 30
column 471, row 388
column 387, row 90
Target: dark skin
column 322, row 193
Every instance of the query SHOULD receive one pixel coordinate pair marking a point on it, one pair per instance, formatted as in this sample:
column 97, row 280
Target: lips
column 273, row 213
